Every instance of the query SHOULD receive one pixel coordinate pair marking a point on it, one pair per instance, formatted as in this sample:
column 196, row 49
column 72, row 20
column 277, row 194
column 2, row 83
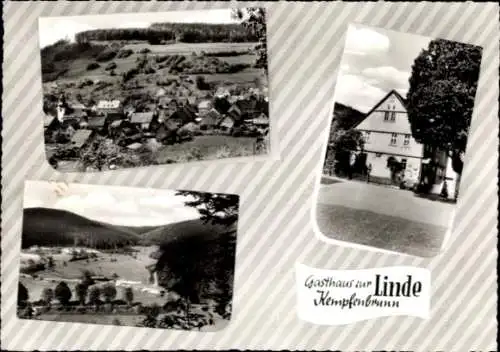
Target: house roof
column 210, row 119
column 401, row 99
column 205, row 104
column 227, row 122
column 170, row 125
column 80, row 137
column 261, row 120
column 108, row 104
column 77, row 106
column 116, row 123
column 134, row 146
column 367, row 115
column 184, row 114
column 165, row 99
column 142, row 117
column 47, row 119
column 97, row 121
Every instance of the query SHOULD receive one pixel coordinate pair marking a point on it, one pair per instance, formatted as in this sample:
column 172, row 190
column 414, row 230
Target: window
column 378, row 155
column 393, row 116
column 367, row 137
column 407, row 139
column 394, row 138
column 386, row 115
column 403, row 163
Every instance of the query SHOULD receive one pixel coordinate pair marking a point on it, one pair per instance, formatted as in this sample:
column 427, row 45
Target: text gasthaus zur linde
column 384, row 291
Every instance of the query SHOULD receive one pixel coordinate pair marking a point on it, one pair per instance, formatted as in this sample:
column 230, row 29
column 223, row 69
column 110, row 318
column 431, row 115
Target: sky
column 374, row 62
column 52, row 29
column 125, row 206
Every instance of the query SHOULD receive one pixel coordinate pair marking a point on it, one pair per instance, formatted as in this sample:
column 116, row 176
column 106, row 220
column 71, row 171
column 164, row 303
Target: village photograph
column 396, row 148
column 131, row 90
column 127, row 256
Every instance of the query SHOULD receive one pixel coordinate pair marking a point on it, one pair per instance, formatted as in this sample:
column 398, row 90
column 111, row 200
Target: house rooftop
column 134, row 146
column 142, row 117
column 97, row 121
column 108, row 104
column 80, row 137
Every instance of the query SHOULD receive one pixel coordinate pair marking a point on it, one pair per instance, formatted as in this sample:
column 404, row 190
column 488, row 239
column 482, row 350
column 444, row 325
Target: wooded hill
column 181, row 32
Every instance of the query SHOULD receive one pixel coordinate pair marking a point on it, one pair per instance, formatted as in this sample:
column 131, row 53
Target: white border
column 319, row 174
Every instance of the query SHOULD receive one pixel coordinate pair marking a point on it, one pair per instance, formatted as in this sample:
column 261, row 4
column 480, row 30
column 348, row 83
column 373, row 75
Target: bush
column 110, row 66
column 124, row 53
column 93, row 66
column 130, row 74
column 106, row 55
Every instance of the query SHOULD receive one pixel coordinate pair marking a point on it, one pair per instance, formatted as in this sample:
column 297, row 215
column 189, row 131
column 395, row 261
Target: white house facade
column 387, row 133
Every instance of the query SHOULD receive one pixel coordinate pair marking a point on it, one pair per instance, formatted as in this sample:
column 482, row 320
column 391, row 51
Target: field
column 77, row 69
column 207, row 148
column 106, row 264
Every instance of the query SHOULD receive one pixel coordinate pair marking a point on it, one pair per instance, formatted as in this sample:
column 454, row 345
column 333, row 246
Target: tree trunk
column 457, row 185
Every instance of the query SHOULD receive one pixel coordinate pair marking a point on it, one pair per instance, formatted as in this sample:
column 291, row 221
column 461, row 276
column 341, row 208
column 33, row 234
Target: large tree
column 215, row 208
column 441, row 96
column 62, row 293
column 254, row 19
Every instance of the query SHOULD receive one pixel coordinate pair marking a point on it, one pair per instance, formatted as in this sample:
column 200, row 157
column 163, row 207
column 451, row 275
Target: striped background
column 305, row 47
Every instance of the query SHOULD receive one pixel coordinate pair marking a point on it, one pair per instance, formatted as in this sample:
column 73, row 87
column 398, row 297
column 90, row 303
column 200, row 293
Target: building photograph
column 398, row 136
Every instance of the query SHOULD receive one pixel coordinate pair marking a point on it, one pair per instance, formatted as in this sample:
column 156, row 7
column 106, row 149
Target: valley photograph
column 127, row 256
column 140, row 89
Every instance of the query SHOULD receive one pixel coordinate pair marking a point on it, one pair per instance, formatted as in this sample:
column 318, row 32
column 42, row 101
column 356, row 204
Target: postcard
column 397, row 142
column 127, row 256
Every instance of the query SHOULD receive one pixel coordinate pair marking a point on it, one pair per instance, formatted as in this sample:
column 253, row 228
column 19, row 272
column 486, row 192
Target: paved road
column 386, row 201
column 382, row 217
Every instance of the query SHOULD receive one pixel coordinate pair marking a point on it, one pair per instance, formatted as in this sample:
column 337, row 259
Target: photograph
column 397, row 139
column 140, row 89
column 124, row 256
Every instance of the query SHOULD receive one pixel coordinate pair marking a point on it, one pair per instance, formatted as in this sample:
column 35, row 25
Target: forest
column 158, row 33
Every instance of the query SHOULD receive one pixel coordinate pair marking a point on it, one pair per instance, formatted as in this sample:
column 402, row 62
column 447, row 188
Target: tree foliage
column 183, row 32
column 81, row 292
column 254, row 19
column 215, row 208
column 47, row 295
column 22, row 294
column 109, row 292
column 62, row 293
column 94, row 295
column 441, row 96
column 128, row 294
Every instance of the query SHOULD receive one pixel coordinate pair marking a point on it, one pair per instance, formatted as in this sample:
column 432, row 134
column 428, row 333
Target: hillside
column 165, row 235
column 52, row 227
column 346, row 117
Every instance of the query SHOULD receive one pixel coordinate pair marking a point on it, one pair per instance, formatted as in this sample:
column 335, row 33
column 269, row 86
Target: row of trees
column 183, row 32
column 84, row 293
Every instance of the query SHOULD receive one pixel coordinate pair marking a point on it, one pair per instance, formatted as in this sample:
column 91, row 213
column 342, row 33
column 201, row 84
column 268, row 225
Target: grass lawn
column 377, row 230
column 189, row 48
column 207, row 148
